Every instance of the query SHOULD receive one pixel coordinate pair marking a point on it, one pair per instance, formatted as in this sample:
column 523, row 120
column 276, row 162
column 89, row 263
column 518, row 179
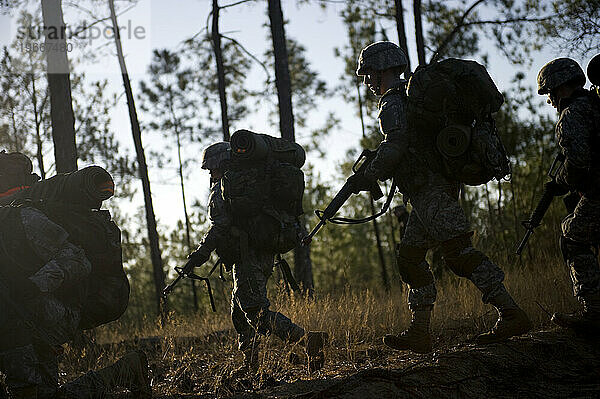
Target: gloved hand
column 556, row 188
column 196, row 259
column 360, row 182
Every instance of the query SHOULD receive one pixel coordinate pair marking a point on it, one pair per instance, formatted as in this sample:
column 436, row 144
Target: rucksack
column 100, row 238
column 263, row 189
column 450, row 104
column 91, row 229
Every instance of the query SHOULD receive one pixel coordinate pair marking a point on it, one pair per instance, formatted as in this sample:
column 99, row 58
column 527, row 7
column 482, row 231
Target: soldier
column 42, row 286
column 252, row 268
column 577, row 132
column 436, row 217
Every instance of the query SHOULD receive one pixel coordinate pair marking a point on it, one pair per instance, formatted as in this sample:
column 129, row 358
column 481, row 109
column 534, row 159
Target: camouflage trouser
column 438, row 220
column 32, row 372
column 250, row 306
column 33, row 367
column 581, row 236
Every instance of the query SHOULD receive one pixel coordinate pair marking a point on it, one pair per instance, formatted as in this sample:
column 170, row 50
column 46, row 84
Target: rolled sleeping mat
column 247, row 145
column 250, row 146
column 593, row 70
column 88, row 187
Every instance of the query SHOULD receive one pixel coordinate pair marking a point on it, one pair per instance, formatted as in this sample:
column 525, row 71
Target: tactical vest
column 450, row 104
column 264, row 194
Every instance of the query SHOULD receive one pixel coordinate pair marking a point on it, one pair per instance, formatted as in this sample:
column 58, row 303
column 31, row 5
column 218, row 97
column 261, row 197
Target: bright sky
column 167, row 23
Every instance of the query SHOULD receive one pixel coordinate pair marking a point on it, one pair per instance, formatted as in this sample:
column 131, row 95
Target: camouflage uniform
column 249, row 303
column 436, row 219
column 30, row 364
column 576, row 133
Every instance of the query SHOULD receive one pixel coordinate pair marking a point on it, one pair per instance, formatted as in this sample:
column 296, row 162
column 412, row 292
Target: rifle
column 342, row 196
column 542, row 206
column 188, row 271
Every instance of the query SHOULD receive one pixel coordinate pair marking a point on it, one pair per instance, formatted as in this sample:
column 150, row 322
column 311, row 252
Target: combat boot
column 314, row 342
column 586, row 320
column 131, row 372
column 511, row 320
column 417, row 337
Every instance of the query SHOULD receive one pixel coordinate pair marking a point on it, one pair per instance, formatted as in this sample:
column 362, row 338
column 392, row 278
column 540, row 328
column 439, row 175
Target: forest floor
column 195, row 355
column 551, row 363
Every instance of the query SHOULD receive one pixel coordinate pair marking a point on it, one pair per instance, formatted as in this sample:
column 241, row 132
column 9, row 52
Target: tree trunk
column 282, row 71
column 155, row 255
column 185, row 211
column 302, row 261
column 38, row 117
column 216, row 42
column 401, row 28
column 419, row 32
column 59, row 84
column 384, row 275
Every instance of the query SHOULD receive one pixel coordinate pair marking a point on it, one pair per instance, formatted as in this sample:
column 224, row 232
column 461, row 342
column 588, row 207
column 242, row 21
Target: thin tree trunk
column 302, row 261
column 419, row 32
column 38, row 120
column 18, row 145
column 59, row 84
column 216, row 41
column 384, row 275
column 401, row 28
column 155, row 255
column 185, row 211
column 282, row 71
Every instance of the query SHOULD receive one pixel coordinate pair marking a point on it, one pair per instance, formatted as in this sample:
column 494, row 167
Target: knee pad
column 413, row 268
column 460, row 256
column 571, row 249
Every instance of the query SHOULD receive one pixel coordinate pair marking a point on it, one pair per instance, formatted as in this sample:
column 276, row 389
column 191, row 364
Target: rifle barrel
column 524, row 242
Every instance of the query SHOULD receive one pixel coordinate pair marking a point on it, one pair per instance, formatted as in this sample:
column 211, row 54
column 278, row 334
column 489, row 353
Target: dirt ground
column 545, row 364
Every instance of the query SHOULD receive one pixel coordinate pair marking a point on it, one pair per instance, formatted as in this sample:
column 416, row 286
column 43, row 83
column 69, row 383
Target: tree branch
column 454, row 31
column 250, row 55
column 508, row 21
column 90, row 13
column 235, row 4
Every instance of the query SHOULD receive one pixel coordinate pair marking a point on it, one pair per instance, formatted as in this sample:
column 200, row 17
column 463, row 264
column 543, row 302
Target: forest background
column 199, row 70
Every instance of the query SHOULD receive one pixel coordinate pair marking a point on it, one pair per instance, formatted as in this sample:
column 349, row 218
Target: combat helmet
column 379, row 56
column 214, row 155
column 558, row 72
column 16, row 170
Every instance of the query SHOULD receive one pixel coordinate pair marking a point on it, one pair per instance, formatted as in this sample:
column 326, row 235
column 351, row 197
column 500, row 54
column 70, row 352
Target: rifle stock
column 345, row 192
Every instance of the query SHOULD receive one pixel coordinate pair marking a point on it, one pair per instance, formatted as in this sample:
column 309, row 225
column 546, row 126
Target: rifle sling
column 342, row 220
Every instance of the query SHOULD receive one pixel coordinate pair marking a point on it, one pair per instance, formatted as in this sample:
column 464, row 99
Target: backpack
column 70, row 201
column 450, row 104
column 100, row 238
column 263, row 189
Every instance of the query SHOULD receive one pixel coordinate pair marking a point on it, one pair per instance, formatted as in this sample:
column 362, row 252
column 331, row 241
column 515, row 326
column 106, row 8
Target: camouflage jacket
column 62, row 264
column 394, row 128
column 577, row 134
column 398, row 155
column 220, row 222
column 36, row 248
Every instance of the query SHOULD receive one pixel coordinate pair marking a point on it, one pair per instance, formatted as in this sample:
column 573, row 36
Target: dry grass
column 197, row 354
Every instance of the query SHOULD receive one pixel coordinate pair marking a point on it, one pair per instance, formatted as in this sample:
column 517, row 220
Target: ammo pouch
column 229, row 251
column 272, row 231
